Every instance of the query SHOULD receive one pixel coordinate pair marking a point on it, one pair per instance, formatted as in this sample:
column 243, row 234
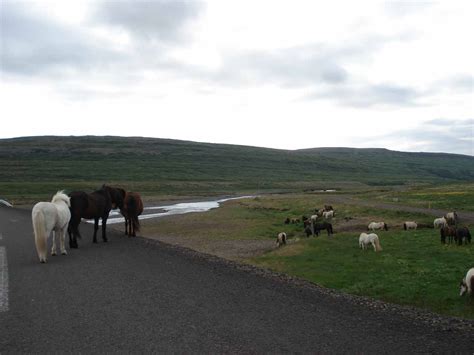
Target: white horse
column 366, row 239
column 377, row 225
column 329, row 214
column 410, row 225
column 281, row 239
column 440, row 222
column 467, row 283
column 50, row 217
column 451, row 218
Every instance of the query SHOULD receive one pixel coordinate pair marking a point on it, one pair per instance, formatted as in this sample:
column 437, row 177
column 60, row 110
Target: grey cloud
column 367, row 95
column 151, row 20
column 34, row 45
column 405, row 8
column 31, row 45
column 437, row 135
column 450, row 123
column 289, row 67
column 460, row 82
column 317, row 66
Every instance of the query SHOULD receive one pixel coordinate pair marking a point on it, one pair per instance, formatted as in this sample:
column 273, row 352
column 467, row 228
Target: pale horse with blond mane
column 50, row 217
column 366, row 239
column 467, row 283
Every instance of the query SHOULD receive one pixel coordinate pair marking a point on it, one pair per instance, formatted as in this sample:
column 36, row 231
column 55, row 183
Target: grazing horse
column 410, row 225
column 440, row 222
column 328, row 208
column 96, row 205
column 315, row 228
column 366, row 239
column 377, row 225
column 448, row 231
column 132, row 208
column 281, row 239
column 462, row 233
column 321, row 226
column 451, row 218
column 467, row 283
column 50, row 217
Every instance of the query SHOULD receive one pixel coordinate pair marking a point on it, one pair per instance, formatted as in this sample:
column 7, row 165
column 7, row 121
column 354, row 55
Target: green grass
column 414, row 268
column 448, row 197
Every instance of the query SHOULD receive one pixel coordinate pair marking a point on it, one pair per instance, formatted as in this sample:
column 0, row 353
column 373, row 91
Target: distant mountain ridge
column 154, row 159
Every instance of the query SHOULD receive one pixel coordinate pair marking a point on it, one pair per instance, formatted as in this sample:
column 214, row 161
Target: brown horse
column 96, row 205
column 450, row 232
column 132, row 208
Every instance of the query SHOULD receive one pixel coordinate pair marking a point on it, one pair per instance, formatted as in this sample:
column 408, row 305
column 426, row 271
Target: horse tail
column 136, row 223
column 404, row 226
column 378, row 247
column 131, row 205
column 132, row 211
column 41, row 238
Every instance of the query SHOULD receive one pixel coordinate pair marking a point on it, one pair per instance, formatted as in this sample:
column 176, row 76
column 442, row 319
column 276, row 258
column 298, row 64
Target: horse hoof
column 43, row 261
column 64, row 252
column 53, row 254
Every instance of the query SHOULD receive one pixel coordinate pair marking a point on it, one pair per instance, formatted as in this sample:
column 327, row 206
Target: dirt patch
column 228, row 249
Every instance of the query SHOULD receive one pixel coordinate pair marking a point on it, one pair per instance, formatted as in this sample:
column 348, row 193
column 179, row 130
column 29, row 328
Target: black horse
column 96, row 205
column 462, row 233
column 318, row 227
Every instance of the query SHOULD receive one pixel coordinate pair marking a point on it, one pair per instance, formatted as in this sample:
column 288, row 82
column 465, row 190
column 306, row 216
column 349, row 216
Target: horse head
column 117, row 195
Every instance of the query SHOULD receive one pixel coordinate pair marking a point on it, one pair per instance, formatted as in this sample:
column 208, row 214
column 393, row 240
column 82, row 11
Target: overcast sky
column 281, row 74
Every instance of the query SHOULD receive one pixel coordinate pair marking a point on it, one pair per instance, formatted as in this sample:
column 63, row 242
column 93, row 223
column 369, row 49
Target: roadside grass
column 448, row 197
column 414, row 268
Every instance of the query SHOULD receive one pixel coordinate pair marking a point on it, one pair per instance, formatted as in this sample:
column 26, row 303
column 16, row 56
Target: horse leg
column 129, row 230
column 72, row 229
column 135, row 223
column 375, row 248
column 96, row 226
column 62, row 237
column 53, row 248
column 126, row 226
column 104, row 226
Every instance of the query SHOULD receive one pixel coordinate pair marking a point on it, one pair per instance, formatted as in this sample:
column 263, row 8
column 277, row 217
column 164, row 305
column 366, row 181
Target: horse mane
column 61, row 196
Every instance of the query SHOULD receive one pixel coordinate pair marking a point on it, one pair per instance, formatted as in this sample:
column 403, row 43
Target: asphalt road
column 134, row 295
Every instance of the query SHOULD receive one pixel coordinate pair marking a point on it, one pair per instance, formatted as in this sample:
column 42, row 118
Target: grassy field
column 448, row 197
column 413, row 268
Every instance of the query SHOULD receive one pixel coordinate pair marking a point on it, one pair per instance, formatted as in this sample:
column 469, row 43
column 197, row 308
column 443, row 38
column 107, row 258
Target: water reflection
column 176, row 209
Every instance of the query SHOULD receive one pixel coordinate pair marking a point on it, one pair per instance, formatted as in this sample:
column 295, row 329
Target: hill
column 171, row 166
